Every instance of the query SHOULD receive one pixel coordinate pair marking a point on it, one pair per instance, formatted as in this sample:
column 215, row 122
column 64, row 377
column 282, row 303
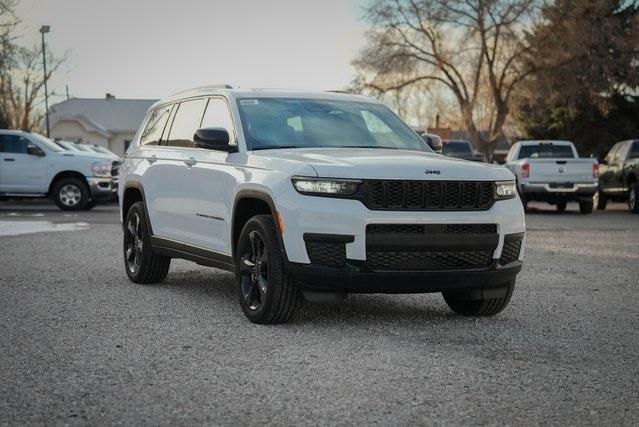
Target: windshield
column 47, row 142
column 545, row 151
column 457, row 147
column 305, row 123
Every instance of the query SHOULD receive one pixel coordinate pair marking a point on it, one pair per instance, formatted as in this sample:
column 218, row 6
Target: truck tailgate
column 560, row 170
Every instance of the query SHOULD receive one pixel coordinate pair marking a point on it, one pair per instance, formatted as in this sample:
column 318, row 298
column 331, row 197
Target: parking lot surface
column 81, row 344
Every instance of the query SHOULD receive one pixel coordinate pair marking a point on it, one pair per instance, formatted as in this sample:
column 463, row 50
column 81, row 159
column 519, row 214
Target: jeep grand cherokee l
column 315, row 195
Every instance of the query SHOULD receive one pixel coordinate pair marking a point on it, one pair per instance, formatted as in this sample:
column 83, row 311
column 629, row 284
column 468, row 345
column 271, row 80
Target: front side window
column 217, row 115
column 186, row 122
column 154, row 127
column 310, row 123
column 545, row 151
column 14, row 144
column 634, row 151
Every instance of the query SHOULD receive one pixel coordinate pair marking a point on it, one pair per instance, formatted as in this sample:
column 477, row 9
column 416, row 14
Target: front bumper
column 355, row 277
column 103, row 189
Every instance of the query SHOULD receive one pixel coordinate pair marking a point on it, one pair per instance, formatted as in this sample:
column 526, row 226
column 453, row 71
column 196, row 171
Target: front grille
column 512, row 248
column 431, row 229
column 400, row 260
column 427, row 195
column 332, row 254
column 115, row 168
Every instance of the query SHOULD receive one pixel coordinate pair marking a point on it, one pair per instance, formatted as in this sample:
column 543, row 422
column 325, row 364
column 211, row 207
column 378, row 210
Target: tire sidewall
column 633, row 190
column 84, row 194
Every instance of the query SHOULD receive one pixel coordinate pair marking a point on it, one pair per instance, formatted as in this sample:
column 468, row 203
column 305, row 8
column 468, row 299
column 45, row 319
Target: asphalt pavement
column 80, row 344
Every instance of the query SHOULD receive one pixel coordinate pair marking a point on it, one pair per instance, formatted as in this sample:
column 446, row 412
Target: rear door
column 21, row 172
column 174, row 210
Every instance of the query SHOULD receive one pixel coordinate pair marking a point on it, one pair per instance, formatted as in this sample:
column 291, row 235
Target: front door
column 20, row 172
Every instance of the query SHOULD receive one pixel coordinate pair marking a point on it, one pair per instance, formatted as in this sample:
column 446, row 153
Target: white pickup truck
column 34, row 166
column 552, row 172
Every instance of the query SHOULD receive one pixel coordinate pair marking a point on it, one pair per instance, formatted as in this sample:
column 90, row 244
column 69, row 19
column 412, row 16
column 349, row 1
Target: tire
column 586, row 206
column 480, row 307
column 561, row 206
column 142, row 265
column 90, row 205
column 70, row 194
column 266, row 293
column 600, row 200
column 633, row 198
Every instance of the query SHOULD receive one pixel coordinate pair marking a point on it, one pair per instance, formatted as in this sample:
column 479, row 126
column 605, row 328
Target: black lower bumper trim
column 355, row 279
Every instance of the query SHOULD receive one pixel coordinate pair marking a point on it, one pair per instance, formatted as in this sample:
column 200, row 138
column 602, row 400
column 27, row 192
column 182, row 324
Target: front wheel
column 266, row 293
column 478, row 307
column 70, row 194
column 633, row 198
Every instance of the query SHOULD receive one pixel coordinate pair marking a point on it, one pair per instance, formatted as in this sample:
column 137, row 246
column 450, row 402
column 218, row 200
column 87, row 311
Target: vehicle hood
column 386, row 164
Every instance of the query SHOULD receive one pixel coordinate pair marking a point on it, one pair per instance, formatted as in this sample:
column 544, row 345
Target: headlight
column 101, row 168
column 505, row 189
column 325, row 186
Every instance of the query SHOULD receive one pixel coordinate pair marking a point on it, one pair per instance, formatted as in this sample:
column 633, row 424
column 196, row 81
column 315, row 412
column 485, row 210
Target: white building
column 108, row 121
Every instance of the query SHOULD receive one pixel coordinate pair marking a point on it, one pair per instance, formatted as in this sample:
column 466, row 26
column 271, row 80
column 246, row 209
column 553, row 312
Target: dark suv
column 618, row 176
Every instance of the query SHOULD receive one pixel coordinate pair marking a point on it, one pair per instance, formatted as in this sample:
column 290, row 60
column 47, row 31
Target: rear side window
column 545, row 151
column 13, row 144
column 186, row 122
column 153, row 131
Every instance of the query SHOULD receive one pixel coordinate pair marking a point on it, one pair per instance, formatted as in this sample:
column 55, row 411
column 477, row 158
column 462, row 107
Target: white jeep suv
column 314, row 194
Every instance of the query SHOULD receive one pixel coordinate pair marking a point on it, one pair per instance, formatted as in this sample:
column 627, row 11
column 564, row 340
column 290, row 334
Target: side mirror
column 213, row 139
column 34, row 150
column 435, row 143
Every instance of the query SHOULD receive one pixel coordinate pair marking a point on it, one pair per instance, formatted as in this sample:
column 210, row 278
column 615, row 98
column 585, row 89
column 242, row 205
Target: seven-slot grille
column 428, row 195
column 429, row 247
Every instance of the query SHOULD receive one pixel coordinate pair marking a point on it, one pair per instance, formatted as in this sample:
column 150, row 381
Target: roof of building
column 102, row 115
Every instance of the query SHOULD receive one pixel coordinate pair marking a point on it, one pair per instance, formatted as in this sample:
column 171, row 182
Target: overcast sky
column 152, row 48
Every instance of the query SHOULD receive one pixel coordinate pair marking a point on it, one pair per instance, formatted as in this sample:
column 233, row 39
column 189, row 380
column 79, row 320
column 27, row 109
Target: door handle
column 190, row 161
column 152, row 159
column 9, row 160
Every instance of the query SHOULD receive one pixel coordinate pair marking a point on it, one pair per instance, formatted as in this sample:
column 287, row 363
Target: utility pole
column 45, row 29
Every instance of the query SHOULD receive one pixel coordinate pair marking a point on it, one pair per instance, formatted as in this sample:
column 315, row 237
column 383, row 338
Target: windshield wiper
column 272, row 147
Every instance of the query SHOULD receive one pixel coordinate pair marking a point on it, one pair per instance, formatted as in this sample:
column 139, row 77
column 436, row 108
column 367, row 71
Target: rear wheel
column 266, row 293
column 478, row 307
column 142, row 265
column 633, row 198
column 586, row 206
column 70, row 194
column 561, row 206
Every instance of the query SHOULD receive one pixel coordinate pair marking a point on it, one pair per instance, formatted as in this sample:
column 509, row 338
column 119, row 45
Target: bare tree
column 471, row 47
column 21, row 88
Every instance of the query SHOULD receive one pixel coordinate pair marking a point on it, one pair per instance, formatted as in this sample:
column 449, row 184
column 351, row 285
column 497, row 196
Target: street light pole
column 45, row 29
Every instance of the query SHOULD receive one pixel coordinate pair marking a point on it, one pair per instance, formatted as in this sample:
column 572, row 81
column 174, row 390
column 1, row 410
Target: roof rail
column 215, row 86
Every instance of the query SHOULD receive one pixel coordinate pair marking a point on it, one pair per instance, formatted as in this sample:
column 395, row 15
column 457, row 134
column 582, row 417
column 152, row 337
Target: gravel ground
column 80, row 344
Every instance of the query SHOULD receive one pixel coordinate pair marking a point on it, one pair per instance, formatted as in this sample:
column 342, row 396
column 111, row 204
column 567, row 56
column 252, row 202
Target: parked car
column 461, row 149
column 314, row 194
column 618, row 176
column 433, row 141
column 552, row 172
column 34, row 166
